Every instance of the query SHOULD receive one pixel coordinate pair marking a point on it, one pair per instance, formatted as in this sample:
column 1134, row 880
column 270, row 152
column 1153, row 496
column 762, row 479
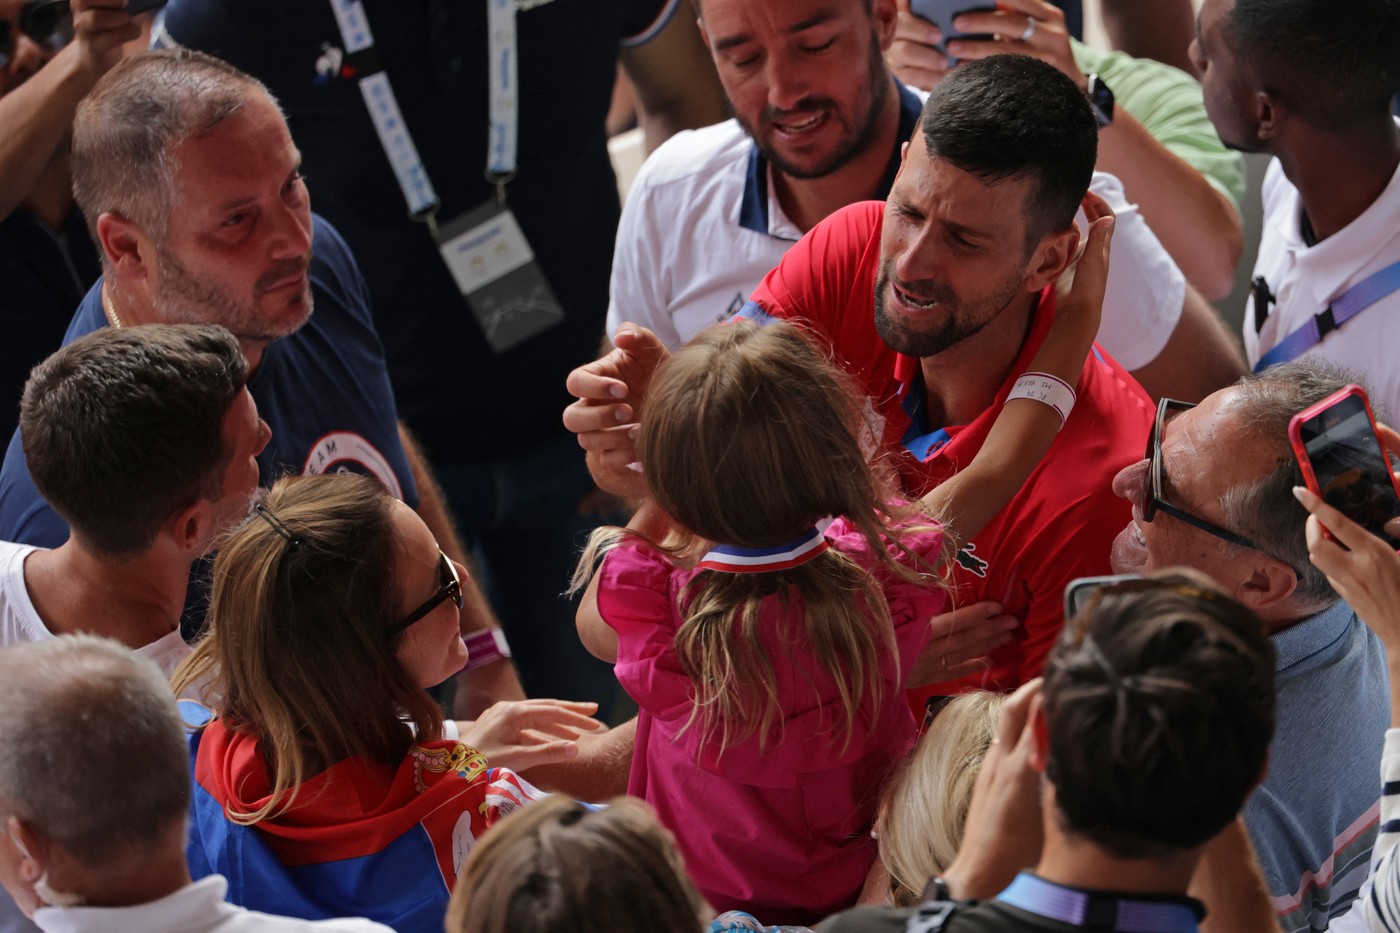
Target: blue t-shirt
column 324, row 391
column 1314, row 818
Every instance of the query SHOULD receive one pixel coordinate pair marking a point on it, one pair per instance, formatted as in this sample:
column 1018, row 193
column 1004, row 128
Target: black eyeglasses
column 1152, row 500
column 451, row 589
column 48, row 22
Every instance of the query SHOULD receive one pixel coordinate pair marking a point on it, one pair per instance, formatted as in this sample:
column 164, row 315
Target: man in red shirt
column 935, row 303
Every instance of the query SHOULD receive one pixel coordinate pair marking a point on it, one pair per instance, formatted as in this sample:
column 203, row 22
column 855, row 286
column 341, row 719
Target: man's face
column 1205, row 452
column 952, row 253
column 1228, row 95
column 245, row 434
column 239, row 243
column 805, row 78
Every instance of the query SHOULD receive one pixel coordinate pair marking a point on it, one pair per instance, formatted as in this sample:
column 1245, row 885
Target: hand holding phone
column 1343, row 461
column 942, row 13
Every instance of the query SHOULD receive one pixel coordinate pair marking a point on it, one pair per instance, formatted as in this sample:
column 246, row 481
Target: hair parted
column 1012, row 117
column 127, row 128
column 749, row 436
column 1265, row 510
column 1335, row 66
column 1159, row 704
column 558, row 866
column 128, row 786
column 300, row 644
column 124, row 426
column 920, row 827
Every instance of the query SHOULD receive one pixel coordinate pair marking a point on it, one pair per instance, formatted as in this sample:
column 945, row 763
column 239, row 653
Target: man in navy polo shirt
column 193, row 191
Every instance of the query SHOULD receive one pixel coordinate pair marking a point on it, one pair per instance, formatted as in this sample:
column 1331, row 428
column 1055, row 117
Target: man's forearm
column 1195, row 223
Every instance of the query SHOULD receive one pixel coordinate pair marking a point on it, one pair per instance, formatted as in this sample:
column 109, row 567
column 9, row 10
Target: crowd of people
column 920, row 551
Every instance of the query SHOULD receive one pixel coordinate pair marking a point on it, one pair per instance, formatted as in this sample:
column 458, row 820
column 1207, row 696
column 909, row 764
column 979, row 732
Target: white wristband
column 1046, row 389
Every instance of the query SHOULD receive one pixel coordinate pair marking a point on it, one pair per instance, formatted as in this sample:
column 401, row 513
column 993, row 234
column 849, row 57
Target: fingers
column 913, row 55
column 1016, row 712
column 598, row 381
column 642, row 343
column 540, row 750
column 1343, row 529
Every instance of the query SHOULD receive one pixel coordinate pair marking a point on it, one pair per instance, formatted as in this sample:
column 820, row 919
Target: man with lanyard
column 819, row 121
column 1119, row 778
column 1312, row 88
column 958, row 265
column 460, row 149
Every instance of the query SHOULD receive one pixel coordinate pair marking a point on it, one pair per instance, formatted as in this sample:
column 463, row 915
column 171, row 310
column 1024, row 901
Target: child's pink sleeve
column 635, row 599
column 911, row 605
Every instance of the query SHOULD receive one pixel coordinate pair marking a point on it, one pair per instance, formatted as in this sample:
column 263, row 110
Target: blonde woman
column 920, row 826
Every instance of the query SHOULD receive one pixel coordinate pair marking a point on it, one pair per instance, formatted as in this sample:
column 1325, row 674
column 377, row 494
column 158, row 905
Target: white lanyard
column 389, row 124
column 505, row 122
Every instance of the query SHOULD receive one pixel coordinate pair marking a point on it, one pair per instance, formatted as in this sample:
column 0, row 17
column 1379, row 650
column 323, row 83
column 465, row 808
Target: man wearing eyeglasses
column 1214, row 492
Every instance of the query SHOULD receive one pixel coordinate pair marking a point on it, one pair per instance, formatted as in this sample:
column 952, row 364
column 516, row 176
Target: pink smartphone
column 1343, row 461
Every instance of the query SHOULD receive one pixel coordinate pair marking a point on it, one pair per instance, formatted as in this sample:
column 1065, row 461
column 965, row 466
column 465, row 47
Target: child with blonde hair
column 767, row 650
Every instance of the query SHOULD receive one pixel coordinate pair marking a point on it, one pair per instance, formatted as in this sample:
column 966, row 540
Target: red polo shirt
column 1059, row 526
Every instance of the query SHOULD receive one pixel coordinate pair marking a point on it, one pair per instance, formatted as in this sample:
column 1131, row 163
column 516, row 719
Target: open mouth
column 918, row 304
column 798, row 124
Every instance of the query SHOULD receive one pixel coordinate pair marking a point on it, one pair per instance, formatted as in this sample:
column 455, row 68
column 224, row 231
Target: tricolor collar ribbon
column 732, row 559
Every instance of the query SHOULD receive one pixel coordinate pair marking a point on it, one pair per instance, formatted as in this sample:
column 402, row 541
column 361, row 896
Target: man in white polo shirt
column 819, row 122
column 1312, row 87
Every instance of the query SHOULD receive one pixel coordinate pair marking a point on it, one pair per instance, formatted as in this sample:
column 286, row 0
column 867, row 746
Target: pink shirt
column 782, row 832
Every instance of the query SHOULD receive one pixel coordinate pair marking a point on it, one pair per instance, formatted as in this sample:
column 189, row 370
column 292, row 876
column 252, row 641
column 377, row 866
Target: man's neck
column 131, row 307
column 808, row 201
column 1338, row 177
column 135, row 601
column 962, row 381
column 1077, row 863
column 152, row 877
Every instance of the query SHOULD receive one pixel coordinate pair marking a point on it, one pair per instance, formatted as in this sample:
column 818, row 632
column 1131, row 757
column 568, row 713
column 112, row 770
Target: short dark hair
column 125, row 425
column 1011, row 116
column 1159, row 701
column 1332, row 65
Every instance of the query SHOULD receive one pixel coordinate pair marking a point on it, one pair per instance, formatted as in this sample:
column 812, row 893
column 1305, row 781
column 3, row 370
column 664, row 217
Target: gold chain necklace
column 111, row 309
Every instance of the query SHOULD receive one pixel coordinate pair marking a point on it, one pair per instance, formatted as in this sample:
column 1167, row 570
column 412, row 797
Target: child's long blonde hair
column 749, row 438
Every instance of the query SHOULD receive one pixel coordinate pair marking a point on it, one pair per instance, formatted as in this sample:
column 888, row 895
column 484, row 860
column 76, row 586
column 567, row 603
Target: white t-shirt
column 694, row 241
column 20, row 622
column 1306, row 279
column 196, row 908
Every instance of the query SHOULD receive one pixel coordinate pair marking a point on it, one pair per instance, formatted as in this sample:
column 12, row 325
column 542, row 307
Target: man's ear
column 1267, row 115
column 1266, row 585
column 191, row 527
column 124, row 246
column 1040, row 731
column 1051, row 258
column 32, row 846
column 883, row 16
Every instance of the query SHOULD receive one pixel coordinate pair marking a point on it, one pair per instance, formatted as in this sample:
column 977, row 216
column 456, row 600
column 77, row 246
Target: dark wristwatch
column 1100, row 100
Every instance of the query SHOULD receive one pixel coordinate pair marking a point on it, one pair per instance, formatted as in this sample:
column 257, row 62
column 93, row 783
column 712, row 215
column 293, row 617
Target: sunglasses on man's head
column 451, row 588
column 49, row 23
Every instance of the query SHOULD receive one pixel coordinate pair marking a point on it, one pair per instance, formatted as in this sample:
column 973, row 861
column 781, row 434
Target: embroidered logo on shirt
column 968, row 560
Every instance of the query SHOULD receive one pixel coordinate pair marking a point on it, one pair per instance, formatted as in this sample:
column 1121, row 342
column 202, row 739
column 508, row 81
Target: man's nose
column 1128, row 482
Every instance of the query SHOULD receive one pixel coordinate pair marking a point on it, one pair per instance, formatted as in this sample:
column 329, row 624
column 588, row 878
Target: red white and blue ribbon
column 733, row 559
